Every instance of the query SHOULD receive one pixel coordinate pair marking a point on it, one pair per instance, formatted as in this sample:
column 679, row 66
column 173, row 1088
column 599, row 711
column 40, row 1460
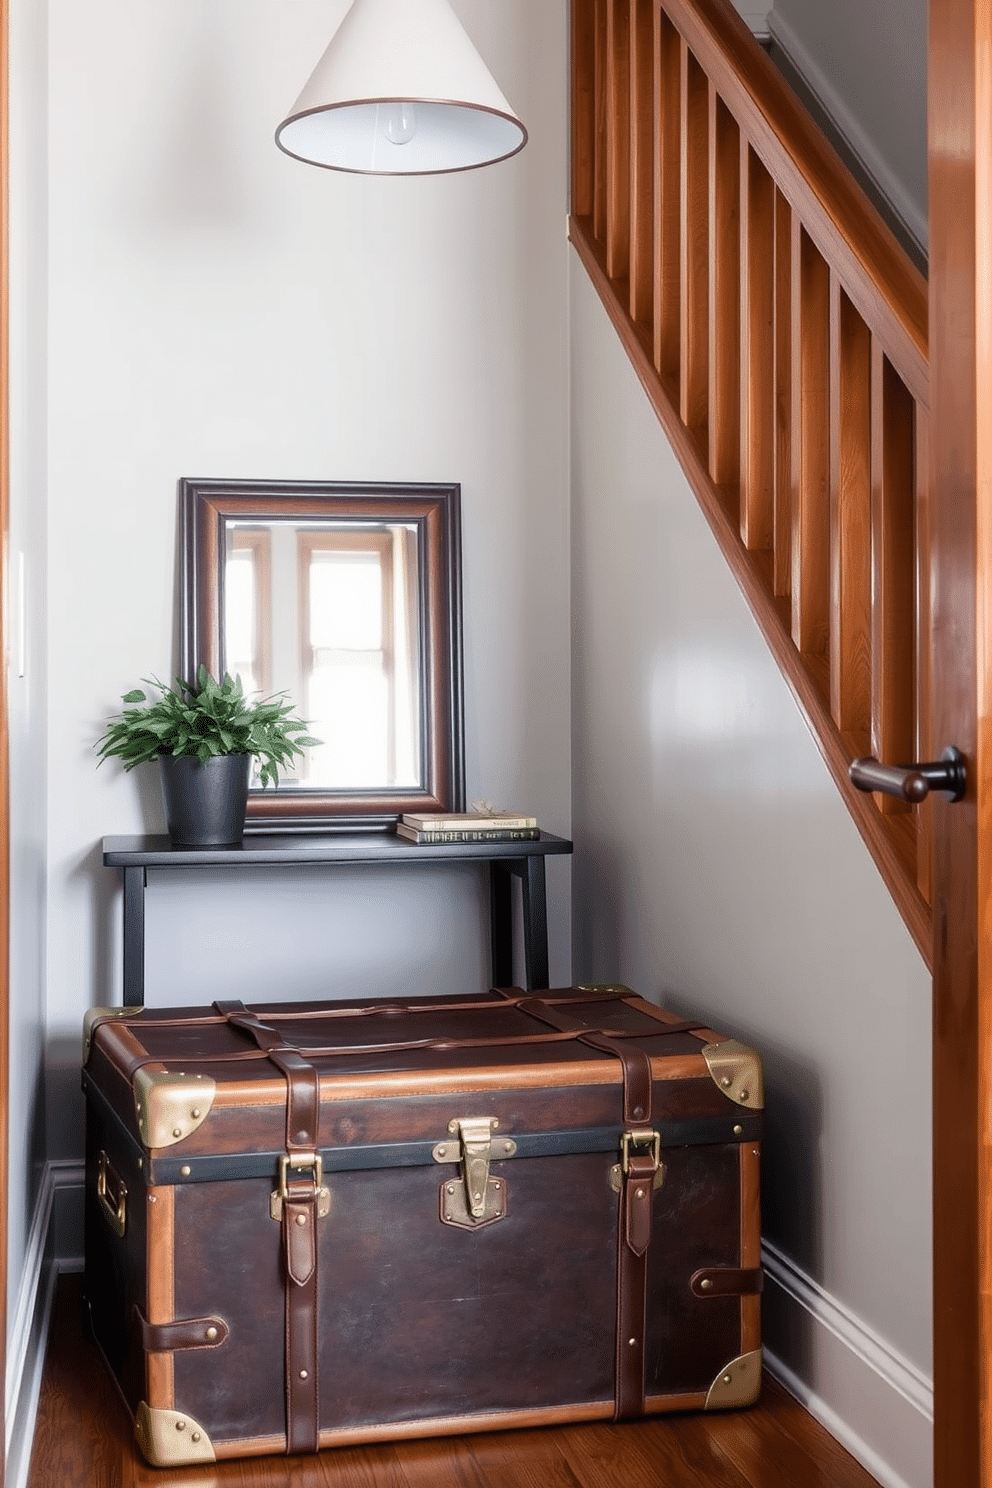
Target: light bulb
column 399, row 122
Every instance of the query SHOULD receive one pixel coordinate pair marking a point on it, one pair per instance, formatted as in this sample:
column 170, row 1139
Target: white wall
column 866, row 61
column 718, row 871
column 26, row 655
column 217, row 309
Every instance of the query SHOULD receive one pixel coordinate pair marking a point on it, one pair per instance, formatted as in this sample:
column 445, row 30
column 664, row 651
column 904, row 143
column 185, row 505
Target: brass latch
column 298, row 1161
column 482, row 1200
column 638, row 1138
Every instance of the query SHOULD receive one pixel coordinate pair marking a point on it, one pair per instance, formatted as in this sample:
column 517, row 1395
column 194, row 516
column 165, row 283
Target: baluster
column 694, row 244
column 757, row 385
column 893, row 723
column 810, row 448
column 642, row 173
column 850, row 520
column 667, row 195
column 782, row 567
column 601, row 105
column 724, row 173
column 618, row 139
column 583, row 104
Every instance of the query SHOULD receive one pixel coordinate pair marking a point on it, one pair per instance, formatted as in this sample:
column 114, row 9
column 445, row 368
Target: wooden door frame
column 960, row 173
column 4, row 737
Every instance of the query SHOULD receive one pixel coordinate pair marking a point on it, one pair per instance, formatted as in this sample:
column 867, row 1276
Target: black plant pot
column 205, row 801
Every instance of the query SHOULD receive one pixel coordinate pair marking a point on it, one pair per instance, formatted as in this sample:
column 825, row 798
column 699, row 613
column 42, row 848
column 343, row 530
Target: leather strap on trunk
column 634, row 1212
column 633, row 1240
column 727, row 1281
column 299, row 1227
column 636, row 1064
column 299, row 1238
column 184, row 1333
column 270, row 1043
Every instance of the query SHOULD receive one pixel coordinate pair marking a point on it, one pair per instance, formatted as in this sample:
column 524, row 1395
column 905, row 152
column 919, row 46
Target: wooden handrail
column 780, row 332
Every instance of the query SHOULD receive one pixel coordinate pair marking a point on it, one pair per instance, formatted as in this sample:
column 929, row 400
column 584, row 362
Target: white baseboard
column 876, row 1402
column 61, row 1184
column 886, row 182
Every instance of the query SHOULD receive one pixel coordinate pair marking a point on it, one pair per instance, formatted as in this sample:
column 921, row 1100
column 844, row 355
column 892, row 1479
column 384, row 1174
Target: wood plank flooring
column 84, row 1440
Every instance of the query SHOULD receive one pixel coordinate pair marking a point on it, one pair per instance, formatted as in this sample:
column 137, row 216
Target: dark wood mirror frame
column 207, row 505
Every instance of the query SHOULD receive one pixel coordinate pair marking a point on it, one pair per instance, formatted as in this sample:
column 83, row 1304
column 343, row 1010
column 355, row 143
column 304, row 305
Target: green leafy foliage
column 205, row 718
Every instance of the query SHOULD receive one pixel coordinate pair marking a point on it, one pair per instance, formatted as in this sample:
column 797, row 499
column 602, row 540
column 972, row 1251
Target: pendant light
column 401, row 90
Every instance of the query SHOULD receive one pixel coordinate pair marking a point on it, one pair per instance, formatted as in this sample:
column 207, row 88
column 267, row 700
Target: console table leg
column 535, row 922
column 135, row 880
column 500, row 926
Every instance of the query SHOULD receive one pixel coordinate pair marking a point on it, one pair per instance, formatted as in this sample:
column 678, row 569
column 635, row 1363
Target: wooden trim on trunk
column 160, row 1271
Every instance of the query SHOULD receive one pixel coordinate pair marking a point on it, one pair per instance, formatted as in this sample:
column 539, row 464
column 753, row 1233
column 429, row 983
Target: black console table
column 523, row 860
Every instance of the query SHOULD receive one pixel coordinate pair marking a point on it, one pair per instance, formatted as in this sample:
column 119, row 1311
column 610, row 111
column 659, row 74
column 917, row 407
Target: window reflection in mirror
column 330, row 615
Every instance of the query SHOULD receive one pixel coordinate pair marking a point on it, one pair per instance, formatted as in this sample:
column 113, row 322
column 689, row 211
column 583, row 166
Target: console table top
column 264, row 848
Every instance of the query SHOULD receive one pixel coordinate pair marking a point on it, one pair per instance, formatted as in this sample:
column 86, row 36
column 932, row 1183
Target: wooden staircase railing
column 781, row 334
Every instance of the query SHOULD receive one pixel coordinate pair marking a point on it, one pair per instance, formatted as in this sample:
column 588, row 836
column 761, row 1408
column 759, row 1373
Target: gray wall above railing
column 865, row 62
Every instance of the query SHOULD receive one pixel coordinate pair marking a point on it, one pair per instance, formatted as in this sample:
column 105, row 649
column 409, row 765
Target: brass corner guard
column 170, row 1107
column 168, row 1438
column 738, row 1384
column 95, row 1015
column 737, row 1071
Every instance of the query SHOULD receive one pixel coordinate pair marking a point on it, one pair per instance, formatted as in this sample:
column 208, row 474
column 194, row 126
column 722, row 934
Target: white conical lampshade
column 401, row 91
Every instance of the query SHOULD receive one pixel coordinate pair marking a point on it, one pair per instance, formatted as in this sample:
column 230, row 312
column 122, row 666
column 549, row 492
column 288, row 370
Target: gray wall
column 867, row 62
column 717, row 870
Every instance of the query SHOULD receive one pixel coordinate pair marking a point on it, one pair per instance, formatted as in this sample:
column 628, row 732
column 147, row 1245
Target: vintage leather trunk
column 310, row 1225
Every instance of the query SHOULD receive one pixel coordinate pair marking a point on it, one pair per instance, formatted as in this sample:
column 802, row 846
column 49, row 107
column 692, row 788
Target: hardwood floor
column 84, row 1437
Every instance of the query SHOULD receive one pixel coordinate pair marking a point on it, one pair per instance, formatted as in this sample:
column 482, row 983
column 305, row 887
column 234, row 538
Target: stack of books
column 467, row 826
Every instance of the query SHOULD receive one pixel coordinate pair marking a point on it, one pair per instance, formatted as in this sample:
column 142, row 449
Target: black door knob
column 913, row 782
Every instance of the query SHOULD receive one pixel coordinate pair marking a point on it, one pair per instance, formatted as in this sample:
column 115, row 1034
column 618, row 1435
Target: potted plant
column 205, row 734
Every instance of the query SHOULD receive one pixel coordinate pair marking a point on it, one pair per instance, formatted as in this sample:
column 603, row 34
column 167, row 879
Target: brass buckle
column 297, row 1161
column 644, row 1137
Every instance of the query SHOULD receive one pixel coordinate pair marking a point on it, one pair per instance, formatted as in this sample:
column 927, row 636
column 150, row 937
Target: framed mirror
column 348, row 599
